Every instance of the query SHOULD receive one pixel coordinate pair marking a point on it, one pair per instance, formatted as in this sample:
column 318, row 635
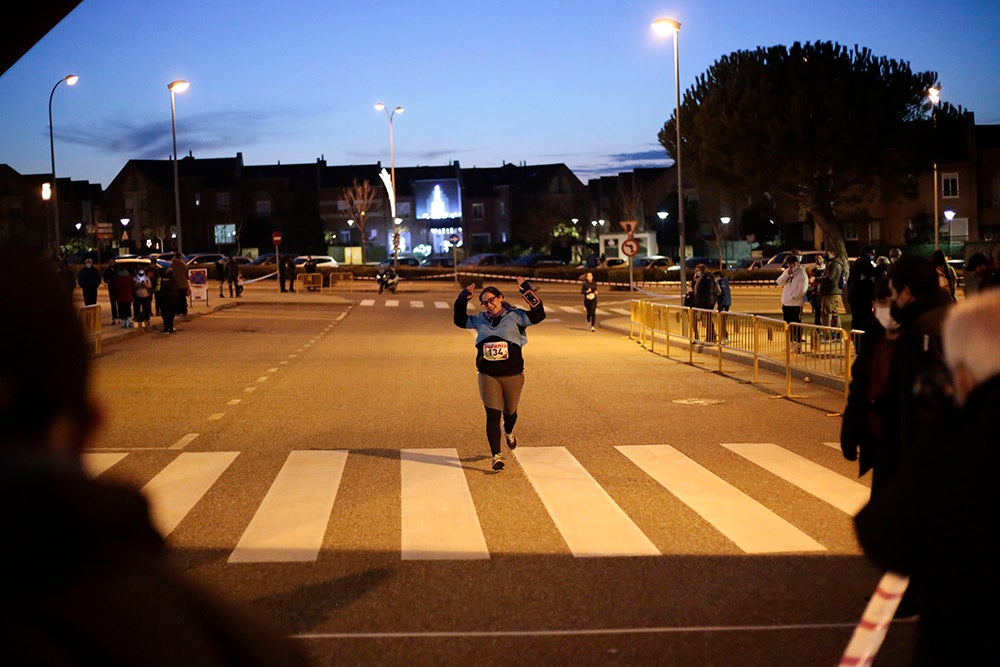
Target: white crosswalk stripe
column 438, row 514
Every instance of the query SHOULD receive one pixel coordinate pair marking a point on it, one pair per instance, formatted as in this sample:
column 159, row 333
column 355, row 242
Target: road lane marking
column 235, row 401
column 216, row 416
column 184, row 441
column 416, row 304
column 249, row 390
column 442, row 304
column 750, row 525
column 439, row 520
column 586, row 516
column 392, row 303
column 569, row 309
column 367, row 302
column 291, row 521
column 846, row 495
column 175, row 490
column 95, row 463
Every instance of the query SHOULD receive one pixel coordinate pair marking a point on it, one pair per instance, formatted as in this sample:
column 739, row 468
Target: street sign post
column 276, row 240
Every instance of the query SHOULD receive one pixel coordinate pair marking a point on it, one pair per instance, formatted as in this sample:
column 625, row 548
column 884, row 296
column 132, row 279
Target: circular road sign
column 276, row 238
column 630, row 247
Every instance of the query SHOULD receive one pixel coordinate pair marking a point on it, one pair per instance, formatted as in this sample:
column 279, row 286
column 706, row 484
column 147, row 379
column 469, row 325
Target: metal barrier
column 806, row 349
column 338, row 277
column 90, row 320
column 311, row 282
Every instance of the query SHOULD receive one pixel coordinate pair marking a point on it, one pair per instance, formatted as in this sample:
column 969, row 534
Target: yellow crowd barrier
column 311, row 282
column 339, row 277
column 90, row 320
column 797, row 349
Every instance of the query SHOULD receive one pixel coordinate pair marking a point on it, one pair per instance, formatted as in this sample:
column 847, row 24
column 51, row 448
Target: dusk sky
column 586, row 83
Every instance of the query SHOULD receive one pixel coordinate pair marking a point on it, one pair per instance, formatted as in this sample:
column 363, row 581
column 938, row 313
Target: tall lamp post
column 672, row 27
column 70, row 80
column 934, row 95
column 178, row 86
column 379, row 106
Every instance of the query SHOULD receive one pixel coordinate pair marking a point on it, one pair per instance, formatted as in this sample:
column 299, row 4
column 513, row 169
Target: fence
column 90, row 320
column 806, row 350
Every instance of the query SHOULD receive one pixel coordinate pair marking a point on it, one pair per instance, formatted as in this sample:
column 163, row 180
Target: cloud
column 202, row 133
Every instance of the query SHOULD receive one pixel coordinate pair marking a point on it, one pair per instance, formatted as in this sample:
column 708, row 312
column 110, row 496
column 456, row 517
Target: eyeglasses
column 489, row 301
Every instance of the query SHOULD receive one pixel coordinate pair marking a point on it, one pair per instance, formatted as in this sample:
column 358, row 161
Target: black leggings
column 500, row 397
column 591, row 306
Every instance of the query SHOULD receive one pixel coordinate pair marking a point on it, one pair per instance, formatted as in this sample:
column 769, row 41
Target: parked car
column 439, row 259
column 203, row 258
column 321, row 261
column 652, row 261
column 267, row 259
column 612, row 262
column 751, row 263
column 808, row 260
column 539, row 259
column 691, row 262
column 485, row 259
column 402, row 260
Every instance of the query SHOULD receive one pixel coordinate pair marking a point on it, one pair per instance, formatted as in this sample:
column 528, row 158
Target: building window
column 480, row 239
column 851, row 232
column 341, row 205
column 478, row 211
column 264, row 208
column 197, row 200
column 222, row 201
column 949, row 185
column 403, row 209
column 225, row 234
column 875, row 231
column 503, row 208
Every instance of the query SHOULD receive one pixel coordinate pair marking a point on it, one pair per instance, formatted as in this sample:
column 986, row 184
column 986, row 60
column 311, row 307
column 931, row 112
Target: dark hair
column 916, row 273
column 975, row 261
column 492, row 290
column 882, row 289
column 938, row 258
column 44, row 367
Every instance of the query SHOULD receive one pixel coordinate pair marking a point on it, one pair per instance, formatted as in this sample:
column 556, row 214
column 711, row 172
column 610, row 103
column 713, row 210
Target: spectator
column 232, row 277
column 869, row 430
column 935, row 521
column 830, row 290
column 977, row 272
column 947, row 277
column 592, row 260
column 124, row 295
column 143, row 296
column 166, row 299
column 705, row 293
column 110, row 271
column 93, row 584
column 180, row 272
column 725, row 302
column 89, row 280
column 794, row 283
column 818, row 272
column 286, row 272
column 894, row 254
column 860, row 286
column 220, row 273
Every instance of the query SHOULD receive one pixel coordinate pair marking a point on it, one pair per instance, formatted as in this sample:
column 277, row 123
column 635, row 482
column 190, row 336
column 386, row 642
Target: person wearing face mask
column 935, row 521
column 89, row 280
column 500, row 337
column 794, row 282
column 869, row 429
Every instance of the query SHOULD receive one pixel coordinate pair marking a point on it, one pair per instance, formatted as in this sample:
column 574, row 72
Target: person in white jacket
column 794, row 283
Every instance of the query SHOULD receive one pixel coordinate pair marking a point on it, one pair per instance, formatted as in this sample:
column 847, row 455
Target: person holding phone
column 500, row 336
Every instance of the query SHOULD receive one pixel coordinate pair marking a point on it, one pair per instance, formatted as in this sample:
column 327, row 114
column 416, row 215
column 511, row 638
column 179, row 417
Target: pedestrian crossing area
column 439, row 515
column 445, row 305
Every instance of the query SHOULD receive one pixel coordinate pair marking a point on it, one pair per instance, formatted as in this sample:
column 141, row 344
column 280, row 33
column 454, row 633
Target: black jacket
column 88, row 582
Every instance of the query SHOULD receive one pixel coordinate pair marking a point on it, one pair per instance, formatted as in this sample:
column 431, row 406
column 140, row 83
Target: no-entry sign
column 276, row 238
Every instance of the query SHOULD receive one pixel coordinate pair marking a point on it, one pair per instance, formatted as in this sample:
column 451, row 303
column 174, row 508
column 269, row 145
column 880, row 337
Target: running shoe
column 511, row 440
column 497, row 462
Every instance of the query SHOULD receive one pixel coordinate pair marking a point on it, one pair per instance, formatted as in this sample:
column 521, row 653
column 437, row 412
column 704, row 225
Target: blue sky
column 538, row 81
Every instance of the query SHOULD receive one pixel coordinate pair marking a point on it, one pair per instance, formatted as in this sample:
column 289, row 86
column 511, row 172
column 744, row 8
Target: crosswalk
column 444, row 305
column 439, row 518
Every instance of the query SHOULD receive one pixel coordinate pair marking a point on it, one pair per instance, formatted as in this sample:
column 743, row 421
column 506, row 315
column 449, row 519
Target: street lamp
column 672, row 27
column 70, row 81
column 934, row 95
column 379, row 106
column 178, row 86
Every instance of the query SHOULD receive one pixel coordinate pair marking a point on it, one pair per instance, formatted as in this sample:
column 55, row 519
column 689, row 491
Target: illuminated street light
column 70, row 80
column 934, row 95
column 178, row 86
column 672, row 27
column 379, row 106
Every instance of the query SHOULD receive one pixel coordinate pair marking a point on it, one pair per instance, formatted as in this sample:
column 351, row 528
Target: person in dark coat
column 89, row 582
column 705, row 294
column 870, row 425
column 89, row 280
column 109, row 274
column 232, row 277
column 286, row 272
column 860, row 286
column 936, row 520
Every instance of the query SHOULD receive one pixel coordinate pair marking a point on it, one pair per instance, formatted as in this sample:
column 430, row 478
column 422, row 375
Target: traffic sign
column 628, row 226
column 276, row 238
column 630, row 247
column 453, row 239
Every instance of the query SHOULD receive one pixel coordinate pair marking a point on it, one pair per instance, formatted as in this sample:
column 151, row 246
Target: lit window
column 949, row 185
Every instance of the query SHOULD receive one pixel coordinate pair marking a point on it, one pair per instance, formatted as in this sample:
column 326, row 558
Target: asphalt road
column 324, row 462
